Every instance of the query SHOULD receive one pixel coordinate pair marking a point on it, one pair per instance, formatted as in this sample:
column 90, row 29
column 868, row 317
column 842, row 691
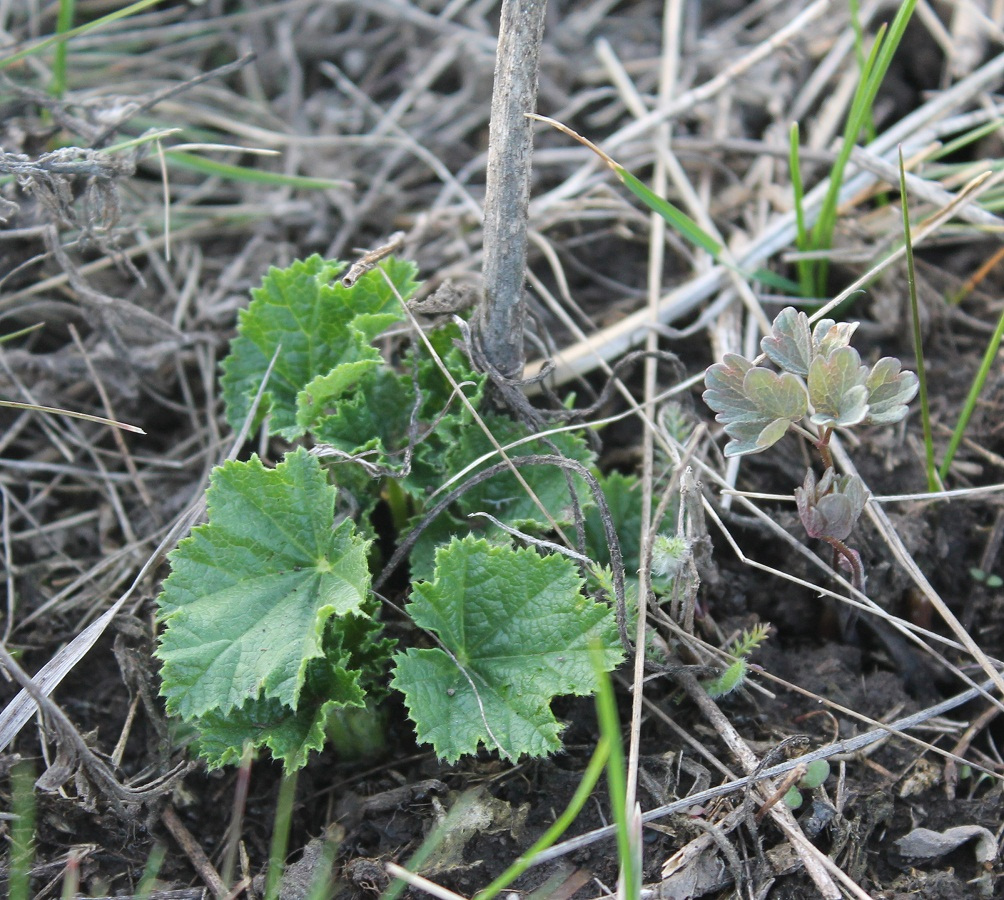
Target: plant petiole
column 823, row 446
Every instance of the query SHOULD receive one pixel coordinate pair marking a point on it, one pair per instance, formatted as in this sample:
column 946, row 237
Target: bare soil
column 391, row 98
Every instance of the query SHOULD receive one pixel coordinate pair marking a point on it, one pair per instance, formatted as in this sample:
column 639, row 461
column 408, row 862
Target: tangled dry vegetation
column 306, row 126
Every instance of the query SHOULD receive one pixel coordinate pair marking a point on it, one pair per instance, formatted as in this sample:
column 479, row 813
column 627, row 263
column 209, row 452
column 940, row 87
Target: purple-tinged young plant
column 822, row 385
column 829, row 510
column 830, row 507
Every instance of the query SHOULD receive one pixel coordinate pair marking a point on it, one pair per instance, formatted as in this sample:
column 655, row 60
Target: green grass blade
column 606, row 708
column 582, row 793
column 195, row 163
column 280, row 836
column 974, row 392
column 873, row 73
column 674, row 216
column 822, row 232
column 21, row 332
column 457, row 814
column 770, row 279
column 64, row 23
column 322, row 885
column 802, row 232
column 148, row 883
column 889, row 45
column 693, row 232
column 45, row 43
column 859, row 53
column 895, row 35
column 22, row 832
column 964, row 140
column 918, row 343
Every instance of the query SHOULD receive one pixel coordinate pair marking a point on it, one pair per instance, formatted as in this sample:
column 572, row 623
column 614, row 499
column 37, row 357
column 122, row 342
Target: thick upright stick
column 507, row 191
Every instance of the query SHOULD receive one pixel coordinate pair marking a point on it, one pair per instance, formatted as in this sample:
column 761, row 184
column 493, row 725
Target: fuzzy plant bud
column 669, row 554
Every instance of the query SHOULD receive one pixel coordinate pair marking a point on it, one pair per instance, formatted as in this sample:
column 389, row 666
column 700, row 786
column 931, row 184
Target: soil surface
column 389, row 101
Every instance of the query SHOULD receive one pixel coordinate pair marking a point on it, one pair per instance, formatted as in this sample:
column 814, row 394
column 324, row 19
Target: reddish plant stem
column 823, row 446
column 853, row 561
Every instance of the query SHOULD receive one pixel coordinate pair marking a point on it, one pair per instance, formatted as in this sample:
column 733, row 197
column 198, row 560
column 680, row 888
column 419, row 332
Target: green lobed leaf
column 324, row 391
column 751, row 438
column 289, row 735
column 345, row 680
column 319, row 324
column 777, row 396
column 725, row 393
column 250, row 592
column 889, row 391
column 789, row 345
column 372, row 411
column 828, row 335
column 372, row 414
column 776, row 402
column 502, row 495
column 518, row 631
column 756, row 404
column 837, row 389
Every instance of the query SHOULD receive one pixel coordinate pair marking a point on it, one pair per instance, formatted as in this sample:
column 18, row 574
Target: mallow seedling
column 821, row 386
column 271, row 622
